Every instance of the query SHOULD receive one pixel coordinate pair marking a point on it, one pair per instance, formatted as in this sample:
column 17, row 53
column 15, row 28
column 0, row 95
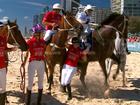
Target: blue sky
column 23, row 10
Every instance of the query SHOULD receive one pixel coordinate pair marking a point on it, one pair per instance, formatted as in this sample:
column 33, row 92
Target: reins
column 22, row 68
column 64, row 29
column 114, row 28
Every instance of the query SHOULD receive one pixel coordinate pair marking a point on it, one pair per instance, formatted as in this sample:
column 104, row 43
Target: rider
column 85, row 18
column 36, row 61
column 3, row 62
column 52, row 20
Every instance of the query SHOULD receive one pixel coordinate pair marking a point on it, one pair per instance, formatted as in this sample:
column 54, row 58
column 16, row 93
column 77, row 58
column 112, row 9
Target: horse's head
column 68, row 24
column 117, row 23
column 14, row 35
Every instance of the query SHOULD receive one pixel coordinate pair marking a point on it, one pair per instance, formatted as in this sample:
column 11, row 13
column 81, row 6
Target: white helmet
column 4, row 20
column 57, row 6
column 88, row 7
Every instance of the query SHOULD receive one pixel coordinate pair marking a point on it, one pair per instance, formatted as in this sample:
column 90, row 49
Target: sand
column 119, row 95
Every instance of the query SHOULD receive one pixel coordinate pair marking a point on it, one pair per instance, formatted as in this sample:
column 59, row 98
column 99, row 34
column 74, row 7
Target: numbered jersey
column 36, row 49
column 52, row 17
column 73, row 55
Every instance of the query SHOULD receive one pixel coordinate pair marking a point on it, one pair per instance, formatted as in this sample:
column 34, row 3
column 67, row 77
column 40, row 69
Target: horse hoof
column 69, row 98
column 114, row 77
column 124, row 85
column 63, row 89
column 106, row 93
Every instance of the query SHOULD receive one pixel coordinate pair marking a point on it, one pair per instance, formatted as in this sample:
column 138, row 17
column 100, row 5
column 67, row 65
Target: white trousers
column 38, row 66
column 3, row 80
column 67, row 74
column 48, row 34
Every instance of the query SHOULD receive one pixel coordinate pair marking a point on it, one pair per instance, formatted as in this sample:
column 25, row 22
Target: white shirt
column 83, row 18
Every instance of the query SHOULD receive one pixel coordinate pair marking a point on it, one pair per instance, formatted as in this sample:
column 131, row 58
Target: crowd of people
column 133, row 39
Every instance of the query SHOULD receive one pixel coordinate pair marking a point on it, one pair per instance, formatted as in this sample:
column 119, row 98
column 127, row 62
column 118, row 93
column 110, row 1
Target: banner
column 133, row 46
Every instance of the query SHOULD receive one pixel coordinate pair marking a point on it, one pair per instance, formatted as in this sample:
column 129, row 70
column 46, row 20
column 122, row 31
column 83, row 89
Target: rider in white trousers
column 51, row 21
column 74, row 53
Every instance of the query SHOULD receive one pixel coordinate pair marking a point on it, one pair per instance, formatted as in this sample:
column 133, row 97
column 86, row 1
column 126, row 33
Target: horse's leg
column 108, row 63
column 103, row 66
column 117, row 72
column 50, row 79
column 83, row 73
column 123, row 69
column 123, row 75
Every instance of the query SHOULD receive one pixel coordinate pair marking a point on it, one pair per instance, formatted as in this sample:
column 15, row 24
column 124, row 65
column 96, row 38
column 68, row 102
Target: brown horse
column 13, row 34
column 103, row 43
column 55, row 51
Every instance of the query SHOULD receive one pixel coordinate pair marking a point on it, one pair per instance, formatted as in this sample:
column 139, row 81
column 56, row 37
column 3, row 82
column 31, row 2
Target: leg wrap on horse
column 39, row 96
column 28, row 98
column 69, row 92
column 2, row 98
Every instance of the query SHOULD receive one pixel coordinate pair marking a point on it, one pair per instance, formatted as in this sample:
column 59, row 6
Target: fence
column 133, row 46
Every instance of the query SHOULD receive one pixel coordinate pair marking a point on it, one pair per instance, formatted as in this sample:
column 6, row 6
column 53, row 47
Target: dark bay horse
column 13, row 35
column 56, row 51
column 103, row 43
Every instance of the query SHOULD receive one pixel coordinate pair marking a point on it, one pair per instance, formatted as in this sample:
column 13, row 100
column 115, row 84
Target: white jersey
column 83, row 18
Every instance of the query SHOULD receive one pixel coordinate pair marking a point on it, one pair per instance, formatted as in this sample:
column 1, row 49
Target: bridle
column 22, row 69
column 72, row 28
column 121, row 32
column 11, row 33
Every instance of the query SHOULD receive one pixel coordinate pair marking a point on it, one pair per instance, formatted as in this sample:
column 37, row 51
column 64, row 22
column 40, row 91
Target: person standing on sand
column 36, row 62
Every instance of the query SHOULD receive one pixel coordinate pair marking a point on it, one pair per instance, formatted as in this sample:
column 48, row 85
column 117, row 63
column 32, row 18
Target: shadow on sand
column 96, row 90
column 47, row 99
column 131, row 94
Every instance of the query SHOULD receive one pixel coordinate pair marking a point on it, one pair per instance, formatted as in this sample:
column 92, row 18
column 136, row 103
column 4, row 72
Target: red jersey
column 52, row 17
column 36, row 48
column 73, row 55
column 3, row 46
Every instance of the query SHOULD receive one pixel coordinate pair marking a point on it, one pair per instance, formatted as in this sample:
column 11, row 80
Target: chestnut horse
column 103, row 43
column 13, row 35
column 56, row 51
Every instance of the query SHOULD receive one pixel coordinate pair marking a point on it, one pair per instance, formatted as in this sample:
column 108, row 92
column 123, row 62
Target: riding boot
column 39, row 96
column 2, row 98
column 69, row 92
column 28, row 98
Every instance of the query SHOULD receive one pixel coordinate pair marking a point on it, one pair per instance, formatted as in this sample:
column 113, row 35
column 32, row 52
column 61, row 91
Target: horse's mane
column 110, row 18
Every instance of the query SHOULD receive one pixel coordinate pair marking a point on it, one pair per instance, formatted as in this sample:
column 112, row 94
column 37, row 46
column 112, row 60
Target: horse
column 103, row 44
column 55, row 50
column 14, row 35
column 120, row 52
